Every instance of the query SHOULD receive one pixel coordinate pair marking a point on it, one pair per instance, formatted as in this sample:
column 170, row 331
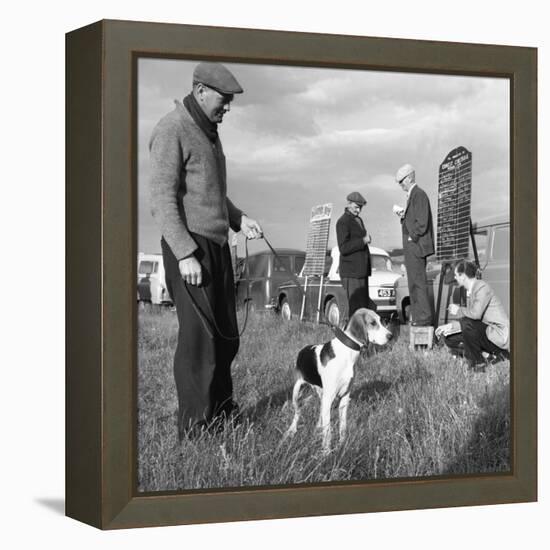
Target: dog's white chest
column 338, row 372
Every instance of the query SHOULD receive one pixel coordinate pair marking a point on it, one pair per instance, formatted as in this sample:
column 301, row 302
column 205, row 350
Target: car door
column 281, row 271
column 497, row 268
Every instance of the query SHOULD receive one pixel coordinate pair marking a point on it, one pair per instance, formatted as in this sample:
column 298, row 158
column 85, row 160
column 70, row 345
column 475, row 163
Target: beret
column 356, row 198
column 403, row 172
column 216, row 76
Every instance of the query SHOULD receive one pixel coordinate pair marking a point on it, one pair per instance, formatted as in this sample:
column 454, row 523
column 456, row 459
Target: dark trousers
column 472, row 341
column 357, row 291
column 202, row 362
column 421, row 311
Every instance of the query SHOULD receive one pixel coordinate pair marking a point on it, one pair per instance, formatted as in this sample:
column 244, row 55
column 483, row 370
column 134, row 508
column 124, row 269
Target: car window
column 257, row 266
column 281, row 264
column 298, row 264
column 482, row 242
column 380, row 263
column 501, row 243
column 146, row 267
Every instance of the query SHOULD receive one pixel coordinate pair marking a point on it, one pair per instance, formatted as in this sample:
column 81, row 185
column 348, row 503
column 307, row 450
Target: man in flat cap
column 189, row 203
column 355, row 264
column 418, row 243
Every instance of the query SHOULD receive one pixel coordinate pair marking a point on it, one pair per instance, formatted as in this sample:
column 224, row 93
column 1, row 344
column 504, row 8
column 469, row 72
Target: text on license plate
column 386, row 292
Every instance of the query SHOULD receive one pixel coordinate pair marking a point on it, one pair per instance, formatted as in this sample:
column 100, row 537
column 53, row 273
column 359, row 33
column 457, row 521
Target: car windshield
column 380, row 262
column 146, row 267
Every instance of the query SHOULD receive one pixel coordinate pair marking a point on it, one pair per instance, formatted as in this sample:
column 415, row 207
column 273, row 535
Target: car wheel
column 332, row 312
column 286, row 312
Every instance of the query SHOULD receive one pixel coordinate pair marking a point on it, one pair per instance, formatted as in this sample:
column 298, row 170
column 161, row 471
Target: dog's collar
column 346, row 340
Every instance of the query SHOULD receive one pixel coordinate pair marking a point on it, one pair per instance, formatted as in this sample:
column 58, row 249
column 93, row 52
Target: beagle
column 329, row 369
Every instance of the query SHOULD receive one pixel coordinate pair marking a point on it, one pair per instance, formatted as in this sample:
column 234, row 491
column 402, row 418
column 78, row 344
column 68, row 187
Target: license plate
column 386, row 292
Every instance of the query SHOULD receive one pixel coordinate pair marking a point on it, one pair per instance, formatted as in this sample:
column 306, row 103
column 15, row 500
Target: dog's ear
column 358, row 325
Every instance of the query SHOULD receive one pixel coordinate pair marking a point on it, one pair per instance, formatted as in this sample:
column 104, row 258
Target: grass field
column 412, row 414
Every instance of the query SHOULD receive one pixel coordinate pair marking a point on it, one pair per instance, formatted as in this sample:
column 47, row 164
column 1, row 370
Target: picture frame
column 101, row 201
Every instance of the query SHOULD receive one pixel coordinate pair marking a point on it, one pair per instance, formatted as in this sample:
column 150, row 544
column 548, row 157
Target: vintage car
column 151, row 284
column 492, row 240
column 330, row 303
column 264, row 273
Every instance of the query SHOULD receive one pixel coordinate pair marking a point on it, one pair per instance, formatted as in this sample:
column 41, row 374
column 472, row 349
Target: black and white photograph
column 323, row 275
column 129, row 421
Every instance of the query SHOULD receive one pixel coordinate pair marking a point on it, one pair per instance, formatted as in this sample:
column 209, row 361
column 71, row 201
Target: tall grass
column 412, row 414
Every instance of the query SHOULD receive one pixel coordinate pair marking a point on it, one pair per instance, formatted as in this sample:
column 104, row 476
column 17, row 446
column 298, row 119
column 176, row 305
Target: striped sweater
column 188, row 189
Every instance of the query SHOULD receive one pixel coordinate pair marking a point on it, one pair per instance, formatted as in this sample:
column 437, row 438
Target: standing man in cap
column 189, row 203
column 353, row 244
column 418, row 243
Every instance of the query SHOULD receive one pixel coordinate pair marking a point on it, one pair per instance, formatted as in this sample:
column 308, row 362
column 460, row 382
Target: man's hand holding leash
column 190, row 268
column 251, row 228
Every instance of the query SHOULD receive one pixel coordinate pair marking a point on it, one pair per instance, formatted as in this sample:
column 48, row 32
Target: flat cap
column 357, row 198
column 403, row 172
column 216, row 76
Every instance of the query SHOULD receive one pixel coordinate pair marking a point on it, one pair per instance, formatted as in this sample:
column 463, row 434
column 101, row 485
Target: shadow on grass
column 370, row 391
column 366, row 393
column 418, row 372
column 259, row 409
column 488, row 447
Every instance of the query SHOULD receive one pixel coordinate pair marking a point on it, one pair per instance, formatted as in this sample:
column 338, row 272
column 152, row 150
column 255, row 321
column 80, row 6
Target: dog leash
column 209, row 321
column 296, row 282
column 280, row 262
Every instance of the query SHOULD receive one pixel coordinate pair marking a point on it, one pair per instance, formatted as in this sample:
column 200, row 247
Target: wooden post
column 319, row 301
column 304, row 300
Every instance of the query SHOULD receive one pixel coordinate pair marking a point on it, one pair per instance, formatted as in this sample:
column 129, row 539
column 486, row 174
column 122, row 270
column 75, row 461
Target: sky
column 299, row 137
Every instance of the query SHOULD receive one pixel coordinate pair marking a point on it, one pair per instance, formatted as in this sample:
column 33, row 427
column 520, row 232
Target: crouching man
column 484, row 325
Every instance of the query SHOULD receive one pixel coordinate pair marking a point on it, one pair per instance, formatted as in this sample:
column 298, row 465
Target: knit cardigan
column 187, row 187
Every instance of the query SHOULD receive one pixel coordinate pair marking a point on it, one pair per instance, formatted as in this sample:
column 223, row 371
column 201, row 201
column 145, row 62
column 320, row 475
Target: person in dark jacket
column 418, row 243
column 355, row 264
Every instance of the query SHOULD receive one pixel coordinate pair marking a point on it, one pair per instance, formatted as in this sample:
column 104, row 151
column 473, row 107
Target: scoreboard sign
column 317, row 240
column 454, row 205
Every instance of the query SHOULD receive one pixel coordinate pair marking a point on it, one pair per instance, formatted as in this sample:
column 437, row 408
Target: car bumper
column 385, row 308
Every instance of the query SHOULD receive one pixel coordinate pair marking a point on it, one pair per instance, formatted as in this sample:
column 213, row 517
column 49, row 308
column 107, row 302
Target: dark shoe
column 228, row 414
column 493, row 359
column 229, row 410
column 479, row 366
